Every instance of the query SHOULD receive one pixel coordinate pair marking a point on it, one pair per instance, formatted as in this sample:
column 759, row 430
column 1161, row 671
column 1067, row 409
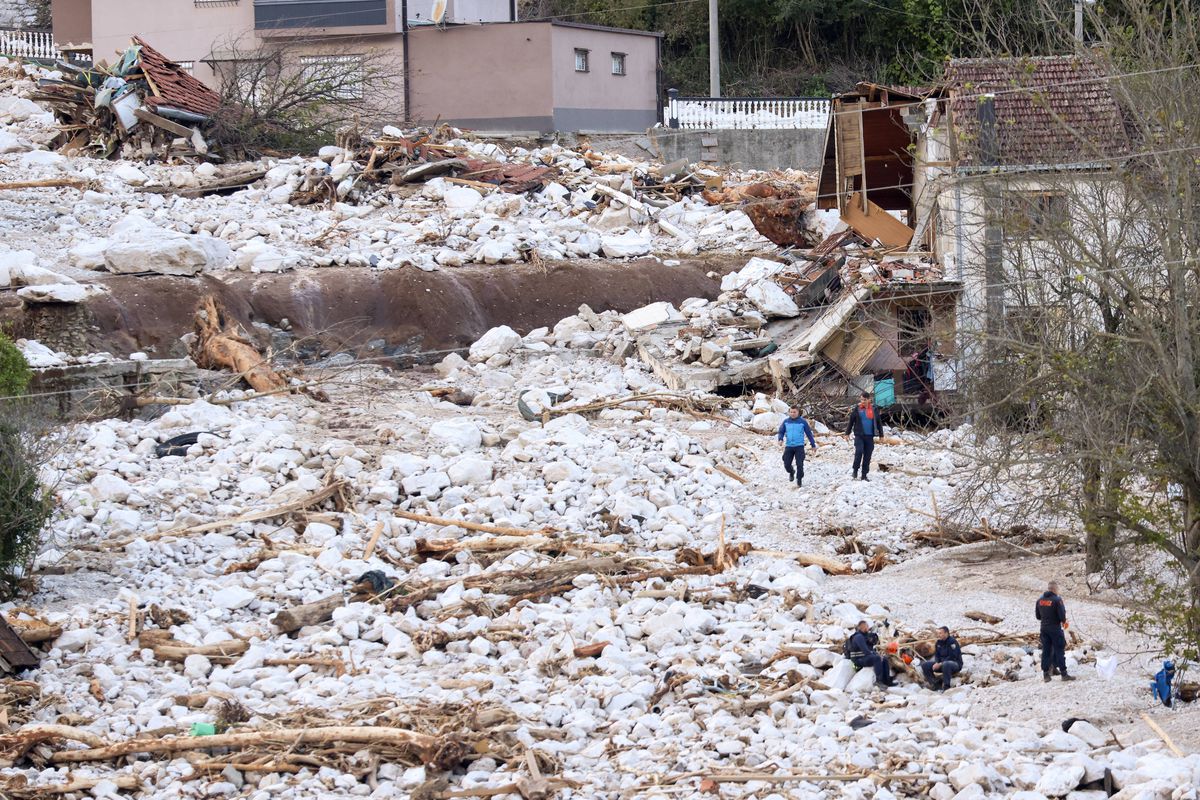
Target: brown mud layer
column 336, row 310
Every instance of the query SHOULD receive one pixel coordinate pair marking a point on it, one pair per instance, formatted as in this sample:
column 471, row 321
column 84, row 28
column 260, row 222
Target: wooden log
column 218, row 652
column 831, row 565
column 34, row 631
column 286, row 737
column 1162, row 734
column 293, row 619
column 29, row 735
column 48, row 183
column 730, row 473
column 590, row 650
column 980, row 616
column 125, row 783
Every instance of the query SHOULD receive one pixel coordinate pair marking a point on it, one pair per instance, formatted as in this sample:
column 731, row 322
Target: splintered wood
column 221, row 344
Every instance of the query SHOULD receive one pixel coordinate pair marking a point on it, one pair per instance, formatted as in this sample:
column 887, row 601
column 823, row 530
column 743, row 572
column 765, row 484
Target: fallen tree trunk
column 293, row 619
column 218, row 653
column 426, row 746
column 221, row 345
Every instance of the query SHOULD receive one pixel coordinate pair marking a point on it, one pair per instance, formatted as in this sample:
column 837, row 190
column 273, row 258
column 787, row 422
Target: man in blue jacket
column 860, row 649
column 947, row 659
column 792, row 432
column 865, row 426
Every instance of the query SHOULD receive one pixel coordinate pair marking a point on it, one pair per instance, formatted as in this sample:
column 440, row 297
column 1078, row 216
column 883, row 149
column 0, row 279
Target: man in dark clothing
column 1052, row 614
column 865, row 427
column 947, row 659
column 792, row 432
column 861, row 649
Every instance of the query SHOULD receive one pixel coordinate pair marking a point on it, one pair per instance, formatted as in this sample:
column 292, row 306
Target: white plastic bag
column 1106, row 667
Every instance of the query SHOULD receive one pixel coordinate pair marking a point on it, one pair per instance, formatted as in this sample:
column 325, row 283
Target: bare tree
column 1092, row 394
column 297, row 93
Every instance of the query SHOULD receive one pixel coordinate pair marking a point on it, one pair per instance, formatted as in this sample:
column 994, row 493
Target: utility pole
column 714, row 51
column 1079, row 21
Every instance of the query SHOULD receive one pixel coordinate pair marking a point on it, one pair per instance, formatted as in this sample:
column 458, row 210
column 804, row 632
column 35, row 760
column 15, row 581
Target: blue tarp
column 885, row 393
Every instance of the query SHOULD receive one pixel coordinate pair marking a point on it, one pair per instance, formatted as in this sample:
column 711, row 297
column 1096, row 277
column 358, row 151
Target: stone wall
column 24, row 13
column 748, row 149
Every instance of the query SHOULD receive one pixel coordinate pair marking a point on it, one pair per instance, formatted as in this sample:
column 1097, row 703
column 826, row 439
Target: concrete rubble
column 731, row 669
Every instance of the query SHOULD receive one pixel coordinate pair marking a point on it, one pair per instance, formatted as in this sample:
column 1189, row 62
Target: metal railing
column 29, row 44
column 745, row 113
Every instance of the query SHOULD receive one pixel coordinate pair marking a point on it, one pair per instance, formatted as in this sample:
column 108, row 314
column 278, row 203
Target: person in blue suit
column 792, row 432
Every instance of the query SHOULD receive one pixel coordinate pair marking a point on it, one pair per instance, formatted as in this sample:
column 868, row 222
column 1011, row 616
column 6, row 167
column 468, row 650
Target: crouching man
column 946, row 662
column 860, row 649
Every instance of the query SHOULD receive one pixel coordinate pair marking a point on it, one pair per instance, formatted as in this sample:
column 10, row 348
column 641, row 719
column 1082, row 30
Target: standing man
column 947, row 659
column 792, row 432
column 865, row 428
column 860, row 648
column 1052, row 614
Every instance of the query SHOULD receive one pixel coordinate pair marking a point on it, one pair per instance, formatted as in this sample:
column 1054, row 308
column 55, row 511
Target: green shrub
column 14, row 372
column 25, row 504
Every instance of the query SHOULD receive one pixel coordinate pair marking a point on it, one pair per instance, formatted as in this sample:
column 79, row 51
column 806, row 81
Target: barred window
column 340, row 77
column 581, row 60
column 618, row 63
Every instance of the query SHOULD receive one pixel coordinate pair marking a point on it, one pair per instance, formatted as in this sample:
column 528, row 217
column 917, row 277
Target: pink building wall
column 494, row 77
column 72, row 21
column 598, row 100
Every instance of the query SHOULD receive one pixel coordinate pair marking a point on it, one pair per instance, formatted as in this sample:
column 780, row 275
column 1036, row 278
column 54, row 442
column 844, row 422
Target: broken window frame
column 349, row 90
column 618, row 64
column 585, row 54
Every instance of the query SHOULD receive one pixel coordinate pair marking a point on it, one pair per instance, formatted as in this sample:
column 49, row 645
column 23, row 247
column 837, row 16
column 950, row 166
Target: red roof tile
column 173, row 87
column 1049, row 110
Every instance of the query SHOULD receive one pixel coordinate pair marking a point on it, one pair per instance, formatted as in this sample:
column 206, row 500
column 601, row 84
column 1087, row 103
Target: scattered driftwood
column 470, row 526
column 1020, row 536
column 430, row 749
column 227, row 184
column 333, row 489
column 442, row 549
column 221, row 344
column 980, row 616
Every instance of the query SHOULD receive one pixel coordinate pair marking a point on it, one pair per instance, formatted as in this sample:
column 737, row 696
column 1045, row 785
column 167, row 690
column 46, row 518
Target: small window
column 618, row 63
column 338, row 77
column 187, row 66
column 581, row 60
column 1037, row 215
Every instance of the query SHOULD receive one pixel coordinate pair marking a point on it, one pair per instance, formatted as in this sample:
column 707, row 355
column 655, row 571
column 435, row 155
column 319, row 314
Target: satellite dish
column 439, row 11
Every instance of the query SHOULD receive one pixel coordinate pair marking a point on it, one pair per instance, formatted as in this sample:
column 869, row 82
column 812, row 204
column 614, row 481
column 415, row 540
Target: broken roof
column 172, row 86
column 1050, row 110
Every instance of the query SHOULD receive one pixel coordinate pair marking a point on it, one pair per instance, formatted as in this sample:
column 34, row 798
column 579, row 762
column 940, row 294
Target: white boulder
column 496, row 341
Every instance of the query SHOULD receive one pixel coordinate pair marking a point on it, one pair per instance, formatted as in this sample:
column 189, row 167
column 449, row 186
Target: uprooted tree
column 1090, row 398
column 276, row 100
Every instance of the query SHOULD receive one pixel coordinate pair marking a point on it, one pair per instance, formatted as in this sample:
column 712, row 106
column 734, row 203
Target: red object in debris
column 172, row 86
column 893, row 647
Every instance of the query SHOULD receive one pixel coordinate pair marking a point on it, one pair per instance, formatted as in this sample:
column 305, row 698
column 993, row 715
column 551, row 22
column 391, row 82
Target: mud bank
column 396, row 312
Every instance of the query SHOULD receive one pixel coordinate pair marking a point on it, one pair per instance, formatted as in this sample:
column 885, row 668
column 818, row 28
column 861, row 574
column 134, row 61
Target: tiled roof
column 1049, row 110
column 172, row 86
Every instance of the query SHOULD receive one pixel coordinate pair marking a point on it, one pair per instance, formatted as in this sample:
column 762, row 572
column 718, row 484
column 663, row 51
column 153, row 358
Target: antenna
column 439, row 12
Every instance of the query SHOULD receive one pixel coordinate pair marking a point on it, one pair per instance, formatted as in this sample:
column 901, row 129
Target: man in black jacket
column 865, row 426
column 947, row 659
column 861, row 649
column 1051, row 612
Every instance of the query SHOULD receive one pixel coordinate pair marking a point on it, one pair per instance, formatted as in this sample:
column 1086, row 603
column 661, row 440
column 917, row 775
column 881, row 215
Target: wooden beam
column 145, row 115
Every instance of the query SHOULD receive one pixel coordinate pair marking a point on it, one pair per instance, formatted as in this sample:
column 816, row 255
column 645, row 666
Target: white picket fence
column 29, row 44
column 746, row 113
